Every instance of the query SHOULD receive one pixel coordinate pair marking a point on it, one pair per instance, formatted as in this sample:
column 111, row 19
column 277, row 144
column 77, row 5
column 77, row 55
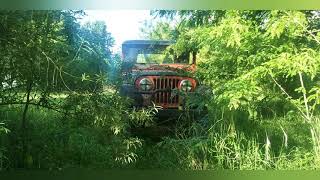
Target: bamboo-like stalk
column 305, row 100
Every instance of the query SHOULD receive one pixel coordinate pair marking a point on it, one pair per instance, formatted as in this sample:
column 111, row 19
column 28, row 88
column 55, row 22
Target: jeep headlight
column 145, row 84
column 186, row 85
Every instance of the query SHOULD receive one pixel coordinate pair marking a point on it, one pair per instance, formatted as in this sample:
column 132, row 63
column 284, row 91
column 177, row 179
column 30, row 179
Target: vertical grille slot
column 163, row 87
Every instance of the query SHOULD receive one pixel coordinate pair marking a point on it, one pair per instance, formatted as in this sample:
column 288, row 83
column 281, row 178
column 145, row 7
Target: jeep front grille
column 163, row 95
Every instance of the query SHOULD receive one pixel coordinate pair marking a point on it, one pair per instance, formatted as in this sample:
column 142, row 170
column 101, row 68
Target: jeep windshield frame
column 151, row 52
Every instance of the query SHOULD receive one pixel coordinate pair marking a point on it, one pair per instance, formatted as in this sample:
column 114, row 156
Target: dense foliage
column 263, row 70
column 259, row 71
column 55, row 96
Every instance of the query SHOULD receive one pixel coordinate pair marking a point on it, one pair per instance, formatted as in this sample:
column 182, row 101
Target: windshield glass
column 155, row 56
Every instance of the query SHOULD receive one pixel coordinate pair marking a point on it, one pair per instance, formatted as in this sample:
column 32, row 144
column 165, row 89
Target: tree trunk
column 24, row 124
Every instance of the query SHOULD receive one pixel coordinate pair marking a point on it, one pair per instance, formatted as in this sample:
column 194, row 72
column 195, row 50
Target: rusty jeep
column 154, row 75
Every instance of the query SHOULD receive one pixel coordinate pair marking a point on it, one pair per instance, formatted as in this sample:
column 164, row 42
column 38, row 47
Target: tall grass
column 315, row 132
column 56, row 141
column 223, row 145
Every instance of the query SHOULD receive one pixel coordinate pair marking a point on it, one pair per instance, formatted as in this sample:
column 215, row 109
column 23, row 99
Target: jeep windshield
column 152, row 52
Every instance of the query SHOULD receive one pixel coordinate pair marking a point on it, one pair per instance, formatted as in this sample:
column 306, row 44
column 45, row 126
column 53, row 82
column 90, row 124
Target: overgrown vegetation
column 60, row 108
column 262, row 68
column 55, row 97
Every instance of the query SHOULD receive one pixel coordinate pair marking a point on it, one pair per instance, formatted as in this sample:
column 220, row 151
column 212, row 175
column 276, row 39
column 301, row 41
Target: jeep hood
column 170, row 68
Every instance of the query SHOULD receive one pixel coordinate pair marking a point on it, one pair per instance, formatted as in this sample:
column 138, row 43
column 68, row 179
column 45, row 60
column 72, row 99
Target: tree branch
column 284, row 91
column 35, row 104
